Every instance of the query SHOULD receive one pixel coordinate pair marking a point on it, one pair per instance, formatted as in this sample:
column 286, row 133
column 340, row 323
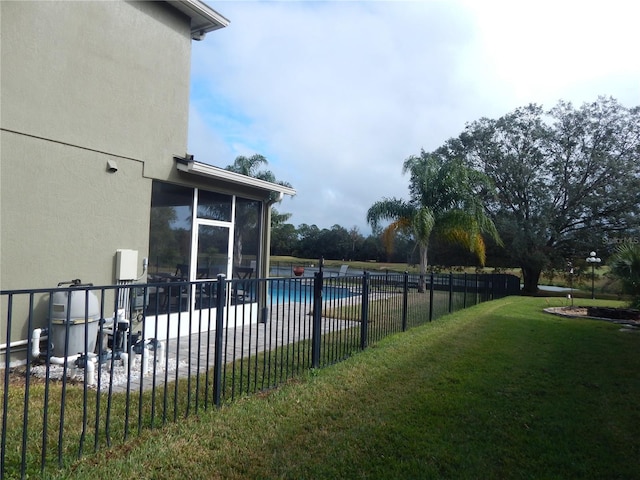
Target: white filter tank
column 74, row 314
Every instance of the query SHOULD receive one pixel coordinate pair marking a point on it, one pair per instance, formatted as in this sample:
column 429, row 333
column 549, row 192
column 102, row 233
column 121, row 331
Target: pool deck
column 195, row 353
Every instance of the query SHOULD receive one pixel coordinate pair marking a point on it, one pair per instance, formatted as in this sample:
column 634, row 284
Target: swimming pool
column 287, row 291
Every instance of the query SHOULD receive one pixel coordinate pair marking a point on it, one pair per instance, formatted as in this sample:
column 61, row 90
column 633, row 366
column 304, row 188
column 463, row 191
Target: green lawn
column 500, row 390
column 373, row 266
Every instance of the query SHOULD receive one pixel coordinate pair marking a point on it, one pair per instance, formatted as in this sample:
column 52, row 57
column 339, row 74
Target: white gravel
column 76, row 375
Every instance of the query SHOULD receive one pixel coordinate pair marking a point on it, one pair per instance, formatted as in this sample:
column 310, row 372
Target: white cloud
column 548, row 50
column 337, row 94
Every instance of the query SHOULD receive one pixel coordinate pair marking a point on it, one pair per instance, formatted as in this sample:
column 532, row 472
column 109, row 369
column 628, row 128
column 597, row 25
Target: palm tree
column 250, row 166
column 445, row 201
column 625, row 264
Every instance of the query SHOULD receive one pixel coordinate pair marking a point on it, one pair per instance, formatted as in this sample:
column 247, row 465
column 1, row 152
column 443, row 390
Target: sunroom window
column 222, row 238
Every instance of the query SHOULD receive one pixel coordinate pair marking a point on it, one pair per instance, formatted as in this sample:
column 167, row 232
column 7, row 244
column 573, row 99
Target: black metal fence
column 96, row 365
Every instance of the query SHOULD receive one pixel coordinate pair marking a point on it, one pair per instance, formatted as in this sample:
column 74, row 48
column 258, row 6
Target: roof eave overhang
column 204, row 19
column 220, row 174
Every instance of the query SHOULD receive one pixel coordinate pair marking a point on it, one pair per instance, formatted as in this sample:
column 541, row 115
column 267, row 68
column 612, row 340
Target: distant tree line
column 340, row 243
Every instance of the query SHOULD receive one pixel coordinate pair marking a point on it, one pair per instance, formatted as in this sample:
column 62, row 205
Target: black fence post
column 5, row 397
column 485, row 287
column 450, row 292
column 221, row 300
column 464, row 294
column 490, row 288
column 405, row 300
column 431, row 297
column 316, row 332
column 364, row 324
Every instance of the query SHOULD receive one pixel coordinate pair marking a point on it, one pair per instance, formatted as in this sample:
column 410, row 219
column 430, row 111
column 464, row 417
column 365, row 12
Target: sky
column 337, row 94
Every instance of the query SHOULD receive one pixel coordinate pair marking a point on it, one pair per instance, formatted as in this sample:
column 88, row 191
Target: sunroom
column 215, row 222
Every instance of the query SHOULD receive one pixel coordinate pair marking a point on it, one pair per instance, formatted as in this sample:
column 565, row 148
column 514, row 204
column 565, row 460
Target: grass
column 374, row 266
column 499, row 390
column 388, row 305
column 606, row 286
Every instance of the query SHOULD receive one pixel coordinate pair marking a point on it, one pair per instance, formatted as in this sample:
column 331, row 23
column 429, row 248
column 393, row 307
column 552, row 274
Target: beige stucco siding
column 109, row 76
column 72, row 214
column 64, row 217
column 83, row 83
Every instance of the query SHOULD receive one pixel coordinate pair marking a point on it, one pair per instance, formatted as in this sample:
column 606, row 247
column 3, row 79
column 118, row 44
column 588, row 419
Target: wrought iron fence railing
column 92, row 366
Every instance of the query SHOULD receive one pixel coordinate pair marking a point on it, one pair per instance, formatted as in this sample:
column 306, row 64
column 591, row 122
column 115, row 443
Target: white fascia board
column 203, row 18
column 221, row 174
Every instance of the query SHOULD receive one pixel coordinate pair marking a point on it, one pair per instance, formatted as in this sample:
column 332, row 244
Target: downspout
column 267, row 235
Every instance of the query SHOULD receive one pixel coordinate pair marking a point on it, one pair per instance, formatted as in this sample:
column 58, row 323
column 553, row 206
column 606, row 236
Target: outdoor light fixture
column 112, row 166
column 570, row 271
column 593, row 260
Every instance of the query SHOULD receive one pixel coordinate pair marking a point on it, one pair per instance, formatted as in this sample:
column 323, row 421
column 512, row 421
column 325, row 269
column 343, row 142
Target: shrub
column 625, row 264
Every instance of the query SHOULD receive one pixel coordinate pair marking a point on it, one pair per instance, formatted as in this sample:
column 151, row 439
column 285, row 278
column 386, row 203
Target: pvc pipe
column 90, row 359
column 17, row 343
column 35, row 342
column 35, row 349
column 159, row 351
column 133, row 358
column 91, row 368
column 60, row 360
column 146, row 351
column 124, row 358
column 145, row 360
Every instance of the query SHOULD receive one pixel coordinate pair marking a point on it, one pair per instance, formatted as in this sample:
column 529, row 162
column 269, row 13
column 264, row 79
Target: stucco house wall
column 94, row 101
column 106, row 76
column 85, row 85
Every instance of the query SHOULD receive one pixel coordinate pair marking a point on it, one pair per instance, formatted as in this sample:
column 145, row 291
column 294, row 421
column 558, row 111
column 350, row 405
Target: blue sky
column 337, row 94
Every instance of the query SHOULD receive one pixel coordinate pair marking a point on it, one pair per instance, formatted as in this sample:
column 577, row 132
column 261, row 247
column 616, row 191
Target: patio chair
column 242, row 290
column 341, row 273
column 182, row 271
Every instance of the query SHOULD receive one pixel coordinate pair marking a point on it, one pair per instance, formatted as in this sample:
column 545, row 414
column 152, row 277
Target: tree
column 284, row 239
column 335, row 243
column 444, row 200
column 277, row 218
column 250, row 166
column 356, row 241
column 565, row 179
column 284, row 236
column 371, row 249
column 308, row 244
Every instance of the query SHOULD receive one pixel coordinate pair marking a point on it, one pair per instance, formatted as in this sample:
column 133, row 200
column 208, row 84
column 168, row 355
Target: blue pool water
column 293, row 291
